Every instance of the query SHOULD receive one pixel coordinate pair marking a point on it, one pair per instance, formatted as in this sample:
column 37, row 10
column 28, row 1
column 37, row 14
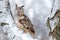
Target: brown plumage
column 24, row 22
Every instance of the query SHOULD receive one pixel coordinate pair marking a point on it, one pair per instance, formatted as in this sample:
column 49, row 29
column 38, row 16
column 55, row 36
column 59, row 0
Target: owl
column 24, row 22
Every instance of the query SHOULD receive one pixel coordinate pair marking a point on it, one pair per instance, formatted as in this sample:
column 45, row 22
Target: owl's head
column 20, row 10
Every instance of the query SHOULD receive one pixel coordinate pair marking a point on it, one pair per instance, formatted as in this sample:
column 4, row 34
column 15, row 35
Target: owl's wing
column 27, row 24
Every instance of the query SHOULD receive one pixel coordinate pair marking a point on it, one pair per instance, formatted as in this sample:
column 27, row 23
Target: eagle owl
column 24, row 22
